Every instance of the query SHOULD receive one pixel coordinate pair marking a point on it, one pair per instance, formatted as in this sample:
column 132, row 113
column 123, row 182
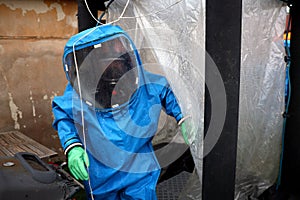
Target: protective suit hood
column 102, row 65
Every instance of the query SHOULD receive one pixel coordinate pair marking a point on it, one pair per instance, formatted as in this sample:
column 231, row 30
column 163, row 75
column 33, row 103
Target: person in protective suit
column 109, row 113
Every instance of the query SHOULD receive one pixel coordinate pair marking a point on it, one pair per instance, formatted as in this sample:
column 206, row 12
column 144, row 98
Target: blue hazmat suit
column 117, row 138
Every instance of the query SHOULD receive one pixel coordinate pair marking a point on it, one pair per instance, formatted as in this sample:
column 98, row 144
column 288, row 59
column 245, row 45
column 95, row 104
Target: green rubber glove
column 188, row 131
column 184, row 133
column 77, row 163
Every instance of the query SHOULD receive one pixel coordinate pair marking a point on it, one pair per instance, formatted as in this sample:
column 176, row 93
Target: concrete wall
column 32, row 37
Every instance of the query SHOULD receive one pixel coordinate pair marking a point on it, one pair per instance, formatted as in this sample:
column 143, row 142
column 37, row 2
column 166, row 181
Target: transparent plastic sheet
column 169, row 36
column 262, row 79
column 261, row 97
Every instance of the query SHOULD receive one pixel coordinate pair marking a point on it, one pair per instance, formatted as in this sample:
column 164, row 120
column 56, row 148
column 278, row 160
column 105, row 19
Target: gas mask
column 107, row 73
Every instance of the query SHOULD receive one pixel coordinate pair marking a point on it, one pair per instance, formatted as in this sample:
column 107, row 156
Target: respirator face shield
column 107, row 73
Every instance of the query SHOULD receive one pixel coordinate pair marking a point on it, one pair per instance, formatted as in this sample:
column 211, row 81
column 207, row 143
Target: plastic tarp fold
column 261, row 106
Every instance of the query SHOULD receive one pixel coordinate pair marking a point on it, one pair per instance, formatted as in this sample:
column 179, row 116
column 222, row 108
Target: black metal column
column 223, row 44
column 291, row 159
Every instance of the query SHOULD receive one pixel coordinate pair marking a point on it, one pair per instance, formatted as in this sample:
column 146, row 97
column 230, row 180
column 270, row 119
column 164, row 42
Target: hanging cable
column 99, row 22
column 121, row 15
column 153, row 13
column 79, row 83
column 105, row 11
column 287, row 43
column 81, row 105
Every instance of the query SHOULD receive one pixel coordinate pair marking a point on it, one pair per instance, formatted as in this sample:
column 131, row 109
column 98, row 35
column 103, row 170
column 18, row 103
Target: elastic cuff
column 183, row 119
column 178, row 117
column 76, row 144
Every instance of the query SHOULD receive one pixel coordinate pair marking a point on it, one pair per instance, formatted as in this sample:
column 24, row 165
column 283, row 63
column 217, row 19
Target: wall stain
column 45, row 97
column 1, row 50
column 15, row 112
column 32, row 102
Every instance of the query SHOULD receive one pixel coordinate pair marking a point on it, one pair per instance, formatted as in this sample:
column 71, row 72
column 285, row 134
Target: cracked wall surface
column 33, row 34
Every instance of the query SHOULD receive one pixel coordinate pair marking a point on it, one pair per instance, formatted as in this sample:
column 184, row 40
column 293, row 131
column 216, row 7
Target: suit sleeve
column 170, row 103
column 63, row 120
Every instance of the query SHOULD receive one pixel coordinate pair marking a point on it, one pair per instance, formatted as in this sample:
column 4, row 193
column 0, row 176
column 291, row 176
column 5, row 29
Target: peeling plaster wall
column 38, row 18
column 32, row 37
